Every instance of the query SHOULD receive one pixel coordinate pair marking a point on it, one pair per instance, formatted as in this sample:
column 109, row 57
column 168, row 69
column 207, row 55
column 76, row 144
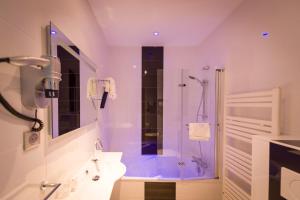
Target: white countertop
column 274, row 139
column 107, row 166
column 80, row 185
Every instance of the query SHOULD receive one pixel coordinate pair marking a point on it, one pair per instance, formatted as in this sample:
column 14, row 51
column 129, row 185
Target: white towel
column 110, row 87
column 91, row 90
column 199, row 131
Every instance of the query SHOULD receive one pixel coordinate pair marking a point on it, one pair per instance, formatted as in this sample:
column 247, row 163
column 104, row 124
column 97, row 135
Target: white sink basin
column 102, row 188
column 112, row 171
column 108, row 167
column 105, row 157
column 81, row 186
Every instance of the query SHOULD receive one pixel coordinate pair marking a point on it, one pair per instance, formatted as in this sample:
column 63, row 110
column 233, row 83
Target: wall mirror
column 72, row 109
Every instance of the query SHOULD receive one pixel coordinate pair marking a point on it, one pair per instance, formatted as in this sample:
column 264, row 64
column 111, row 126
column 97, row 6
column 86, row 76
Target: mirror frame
column 63, row 40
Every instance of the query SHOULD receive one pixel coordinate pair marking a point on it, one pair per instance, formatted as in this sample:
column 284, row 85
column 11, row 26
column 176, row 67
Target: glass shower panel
column 197, row 157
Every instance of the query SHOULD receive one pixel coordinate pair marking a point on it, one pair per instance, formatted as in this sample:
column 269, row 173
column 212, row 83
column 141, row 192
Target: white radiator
column 239, row 127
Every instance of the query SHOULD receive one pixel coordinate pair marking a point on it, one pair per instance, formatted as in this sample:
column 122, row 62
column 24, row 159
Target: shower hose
column 203, row 164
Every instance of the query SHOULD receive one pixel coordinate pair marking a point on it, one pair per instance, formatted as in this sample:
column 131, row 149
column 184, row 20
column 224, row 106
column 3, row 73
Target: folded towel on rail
column 199, row 131
column 91, row 90
column 110, row 87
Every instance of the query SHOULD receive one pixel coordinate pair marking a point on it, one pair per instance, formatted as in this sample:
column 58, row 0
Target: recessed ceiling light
column 265, row 34
column 156, row 33
column 53, row 32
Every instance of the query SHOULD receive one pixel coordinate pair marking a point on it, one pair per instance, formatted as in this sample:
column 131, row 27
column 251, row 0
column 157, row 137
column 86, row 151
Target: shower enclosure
column 199, row 98
column 194, row 98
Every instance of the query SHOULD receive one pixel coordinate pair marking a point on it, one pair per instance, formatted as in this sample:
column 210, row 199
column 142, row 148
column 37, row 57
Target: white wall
column 124, row 113
column 254, row 63
column 22, row 32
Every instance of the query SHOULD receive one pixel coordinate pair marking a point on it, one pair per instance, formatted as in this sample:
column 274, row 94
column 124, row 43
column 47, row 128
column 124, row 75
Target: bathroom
column 238, row 46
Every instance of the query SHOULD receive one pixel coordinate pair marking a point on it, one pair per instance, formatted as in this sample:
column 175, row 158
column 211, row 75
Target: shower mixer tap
column 200, row 164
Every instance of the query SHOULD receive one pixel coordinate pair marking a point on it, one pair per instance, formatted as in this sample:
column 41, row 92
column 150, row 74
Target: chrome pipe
column 218, row 115
column 45, row 185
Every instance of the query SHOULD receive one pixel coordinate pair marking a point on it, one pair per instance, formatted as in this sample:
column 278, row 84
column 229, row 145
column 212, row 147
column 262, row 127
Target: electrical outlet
column 31, row 140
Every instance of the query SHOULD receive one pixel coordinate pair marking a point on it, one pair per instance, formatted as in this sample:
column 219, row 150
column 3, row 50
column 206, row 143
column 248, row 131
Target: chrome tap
column 199, row 161
column 44, row 185
column 196, row 160
column 201, row 165
column 98, row 144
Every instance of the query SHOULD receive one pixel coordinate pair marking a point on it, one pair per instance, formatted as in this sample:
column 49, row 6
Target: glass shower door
column 198, row 105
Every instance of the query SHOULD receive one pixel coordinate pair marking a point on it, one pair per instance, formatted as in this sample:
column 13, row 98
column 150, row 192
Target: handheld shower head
column 196, row 79
column 192, row 77
column 202, row 83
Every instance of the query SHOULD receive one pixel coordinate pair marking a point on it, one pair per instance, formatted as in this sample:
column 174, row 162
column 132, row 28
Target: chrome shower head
column 202, row 83
column 192, row 77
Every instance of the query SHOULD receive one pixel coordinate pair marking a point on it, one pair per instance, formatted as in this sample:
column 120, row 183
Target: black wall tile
column 69, row 91
column 160, row 190
column 152, row 85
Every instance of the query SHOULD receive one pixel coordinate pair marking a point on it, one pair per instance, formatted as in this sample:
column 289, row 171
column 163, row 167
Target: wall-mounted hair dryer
column 40, row 79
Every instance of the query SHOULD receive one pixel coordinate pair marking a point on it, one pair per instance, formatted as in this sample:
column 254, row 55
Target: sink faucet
column 98, row 144
column 98, row 147
column 44, row 185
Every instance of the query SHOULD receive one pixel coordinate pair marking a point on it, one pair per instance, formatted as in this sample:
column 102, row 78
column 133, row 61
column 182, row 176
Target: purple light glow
column 53, row 32
column 156, row 33
column 265, row 34
column 162, row 167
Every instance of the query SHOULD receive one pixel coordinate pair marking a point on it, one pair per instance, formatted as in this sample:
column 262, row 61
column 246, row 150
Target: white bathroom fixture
column 95, row 180
column 290, row 184
column 239, row 171
column 40, row 79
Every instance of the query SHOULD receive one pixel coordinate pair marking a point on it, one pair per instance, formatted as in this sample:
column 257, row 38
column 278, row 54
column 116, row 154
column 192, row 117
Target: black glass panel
column 69, row 91
column 160, row 190
column 152, row 93
column 281, row 156
column 291, row 142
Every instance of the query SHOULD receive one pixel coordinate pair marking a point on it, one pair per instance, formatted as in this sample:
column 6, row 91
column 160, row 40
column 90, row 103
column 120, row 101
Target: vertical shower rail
column 219, row 89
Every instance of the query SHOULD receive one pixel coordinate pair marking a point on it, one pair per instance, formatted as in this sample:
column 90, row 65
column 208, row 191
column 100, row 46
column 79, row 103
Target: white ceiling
column 180, row 22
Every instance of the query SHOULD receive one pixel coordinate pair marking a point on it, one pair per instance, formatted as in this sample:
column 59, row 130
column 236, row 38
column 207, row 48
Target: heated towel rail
column 240, row 125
